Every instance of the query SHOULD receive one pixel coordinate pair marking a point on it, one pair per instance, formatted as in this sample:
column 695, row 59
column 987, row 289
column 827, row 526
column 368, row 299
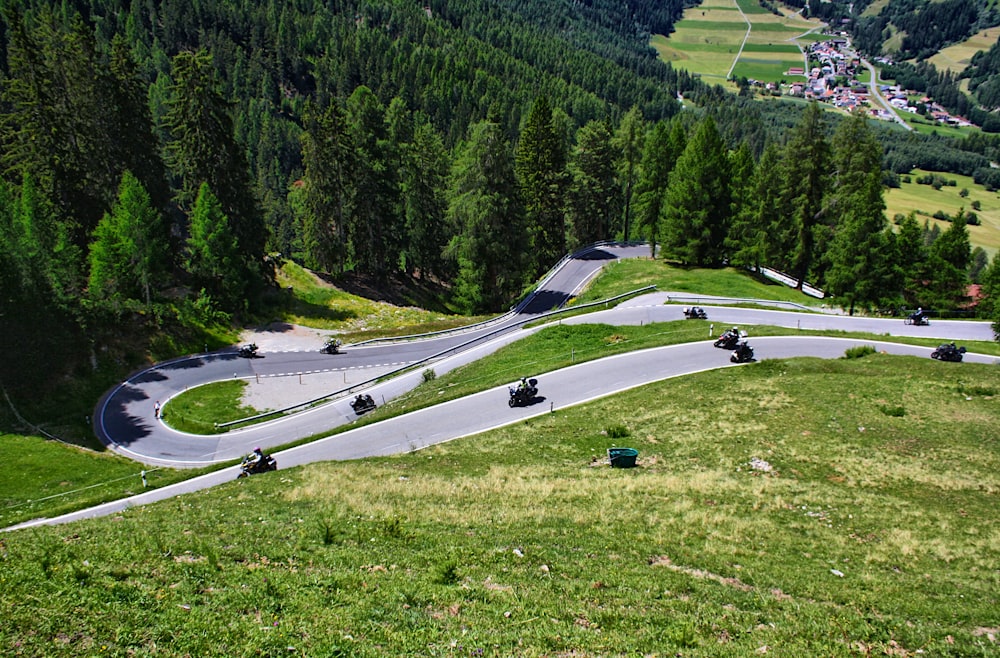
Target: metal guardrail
column 703, row 299
column 346, row 391
column 790, row 281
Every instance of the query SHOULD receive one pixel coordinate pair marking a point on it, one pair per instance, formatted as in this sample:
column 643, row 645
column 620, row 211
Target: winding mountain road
column 125, row 419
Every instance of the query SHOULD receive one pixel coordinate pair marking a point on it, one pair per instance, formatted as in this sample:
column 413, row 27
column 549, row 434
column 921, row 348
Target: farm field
column 925, row 201
column 707, row 41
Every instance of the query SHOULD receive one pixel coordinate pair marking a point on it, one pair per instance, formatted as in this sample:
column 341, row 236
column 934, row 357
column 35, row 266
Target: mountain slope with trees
column 161, row 158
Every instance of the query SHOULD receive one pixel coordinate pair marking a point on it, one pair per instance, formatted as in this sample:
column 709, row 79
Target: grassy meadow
column 956, row 58
column 792, row 508
column 925, row 201
column 55, row 478
column 317, row 303
column 634, row 273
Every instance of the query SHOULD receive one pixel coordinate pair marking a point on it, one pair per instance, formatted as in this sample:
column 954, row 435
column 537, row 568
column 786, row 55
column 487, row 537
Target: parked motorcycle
column 729, row 339
column 249, row 351
column 948, row 352
column 695, row 313
column 363, row 404
column 523, row 392
column 257, row 463
column 742, row 354
column 332, row 346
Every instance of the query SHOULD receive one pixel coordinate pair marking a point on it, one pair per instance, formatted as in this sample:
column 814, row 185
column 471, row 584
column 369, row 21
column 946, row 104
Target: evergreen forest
column 162, row 158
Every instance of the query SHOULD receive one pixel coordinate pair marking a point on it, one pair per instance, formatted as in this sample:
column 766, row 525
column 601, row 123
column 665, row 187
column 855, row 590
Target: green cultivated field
column 802, row 508
column 707, row 41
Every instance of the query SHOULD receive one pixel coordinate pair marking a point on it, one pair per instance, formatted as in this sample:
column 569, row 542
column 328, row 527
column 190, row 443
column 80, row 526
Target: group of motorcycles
column 735, row 340
column 526, row 390
column 331, row 346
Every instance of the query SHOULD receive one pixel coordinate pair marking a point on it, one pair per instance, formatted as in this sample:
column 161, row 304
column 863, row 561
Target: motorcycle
column 917, row 320
column 363, row 404
column 248, row 351
column 948, row 352
column 332, row 346
column 728, row 340
column 523, row 393
column 251, row 465
column 695, row 313
column 742, row 354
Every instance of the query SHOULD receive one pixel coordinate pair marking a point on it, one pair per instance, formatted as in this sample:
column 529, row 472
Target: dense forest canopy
column 159, row 158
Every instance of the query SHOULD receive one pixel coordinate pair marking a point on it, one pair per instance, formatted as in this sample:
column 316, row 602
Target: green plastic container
column 622, row 457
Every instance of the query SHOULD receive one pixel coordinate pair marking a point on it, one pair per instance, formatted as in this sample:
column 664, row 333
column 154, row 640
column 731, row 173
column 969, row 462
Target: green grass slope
column 800, row 508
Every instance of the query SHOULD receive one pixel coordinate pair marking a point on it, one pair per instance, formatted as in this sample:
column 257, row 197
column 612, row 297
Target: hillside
column 800, row 506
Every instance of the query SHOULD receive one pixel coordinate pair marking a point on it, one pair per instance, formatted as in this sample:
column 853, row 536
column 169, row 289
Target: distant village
column 832, row 79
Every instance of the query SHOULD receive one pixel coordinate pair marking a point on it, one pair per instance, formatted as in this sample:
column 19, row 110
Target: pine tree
column 424, row 186
column 743, row 179
column 697, row 205
column 487, row 217
column 862, row 268
column 949, row 261
column 137, row 150
column 374, row 225
column 57, row 128
column 49, row 258
column 213, row 253
column 204, row 150
column 628, row 141
column 913, row 261
column 540, row 165
column 129, row 253
column 658, row 160
column 805, row 177
column 328, row 158
column 594, row 196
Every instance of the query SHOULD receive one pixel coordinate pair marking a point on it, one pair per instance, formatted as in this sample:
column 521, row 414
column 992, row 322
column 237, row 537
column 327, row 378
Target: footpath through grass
column 800, row 508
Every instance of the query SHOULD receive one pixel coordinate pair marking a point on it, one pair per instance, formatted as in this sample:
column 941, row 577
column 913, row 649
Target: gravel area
column 268, row 393
column 284, row 337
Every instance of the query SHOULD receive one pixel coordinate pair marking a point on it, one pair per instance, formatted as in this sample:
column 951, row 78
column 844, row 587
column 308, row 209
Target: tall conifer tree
column 203, row 149
column 213, row 252
column 805, row 179
column 540, row 165
column 129, row 253
column 328, row 158
column 489, row 246
column 697, row 205
column 658, row 160
column 594, row 197
column 629, row 140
